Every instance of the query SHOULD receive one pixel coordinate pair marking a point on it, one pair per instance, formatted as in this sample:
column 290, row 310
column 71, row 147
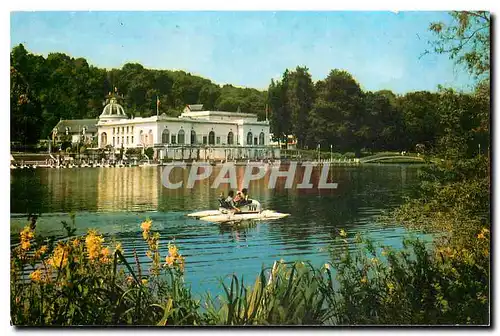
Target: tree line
column 332, row 112
column 336, row 112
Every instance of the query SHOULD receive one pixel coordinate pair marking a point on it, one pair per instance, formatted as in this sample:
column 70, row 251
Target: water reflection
column 116, row 200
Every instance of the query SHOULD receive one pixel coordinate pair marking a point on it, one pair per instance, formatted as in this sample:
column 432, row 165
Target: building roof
column 113, row 110
column 76, row 126
column 195, row 107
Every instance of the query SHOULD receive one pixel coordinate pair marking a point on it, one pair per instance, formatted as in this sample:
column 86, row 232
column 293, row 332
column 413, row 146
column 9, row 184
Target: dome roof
column 113, row 110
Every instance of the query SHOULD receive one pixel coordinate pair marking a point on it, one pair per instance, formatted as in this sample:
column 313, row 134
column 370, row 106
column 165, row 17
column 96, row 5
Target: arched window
column 150, row 137
column 141, row 137
column 165, row 136
column 230, row 138
column 211, row 138
column 261, row 138
column 180, row 137
column 193, row 137
column 104, row 139
column 249, row 138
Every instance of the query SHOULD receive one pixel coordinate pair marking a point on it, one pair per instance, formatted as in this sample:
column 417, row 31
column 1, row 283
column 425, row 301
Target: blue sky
column 380, row 49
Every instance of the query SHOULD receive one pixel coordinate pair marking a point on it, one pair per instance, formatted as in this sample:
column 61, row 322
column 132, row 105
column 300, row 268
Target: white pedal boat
column 250, row 211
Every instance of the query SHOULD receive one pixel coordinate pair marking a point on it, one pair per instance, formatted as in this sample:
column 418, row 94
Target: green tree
column 466, row 39
column 300, row 96
column 338, row 115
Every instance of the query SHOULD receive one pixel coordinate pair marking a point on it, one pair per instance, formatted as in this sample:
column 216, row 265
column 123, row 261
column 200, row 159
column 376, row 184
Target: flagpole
column 157, row 103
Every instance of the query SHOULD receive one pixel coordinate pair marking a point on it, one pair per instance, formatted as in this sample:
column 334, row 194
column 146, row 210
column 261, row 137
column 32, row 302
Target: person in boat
column 230, row 201
column 242, row 197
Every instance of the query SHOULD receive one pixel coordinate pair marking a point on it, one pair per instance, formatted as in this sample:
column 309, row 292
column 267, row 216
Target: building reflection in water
column 120, row 189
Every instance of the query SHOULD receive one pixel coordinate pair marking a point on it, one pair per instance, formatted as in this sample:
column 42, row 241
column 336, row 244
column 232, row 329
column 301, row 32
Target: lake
column 116, row 200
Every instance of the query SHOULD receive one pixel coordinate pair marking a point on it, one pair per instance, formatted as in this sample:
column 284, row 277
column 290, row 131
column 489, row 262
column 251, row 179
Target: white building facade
column 196, row 134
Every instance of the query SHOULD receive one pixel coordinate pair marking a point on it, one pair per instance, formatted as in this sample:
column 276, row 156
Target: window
column 132, row 140
column 249, row 138
column 180, row 137
column 165, row 136
column 123, row 140
column 211, row 138
column 150, row 137
column 123, row 130
column 204, row 139
column 255, row 141
column 230, row 138
column 117, row 140
column 127, row 139
column 127, row 129
column 218, row 140
column 261, row 138
column 113, row 130
column 132, row 129
column 118, row 130
column 173, row 139
column 193, row 137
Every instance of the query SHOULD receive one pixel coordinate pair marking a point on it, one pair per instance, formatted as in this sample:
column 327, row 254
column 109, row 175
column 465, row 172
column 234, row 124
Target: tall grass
column 85, row 281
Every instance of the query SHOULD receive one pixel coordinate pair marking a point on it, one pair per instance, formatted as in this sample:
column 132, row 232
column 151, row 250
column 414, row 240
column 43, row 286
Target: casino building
column 197, row 134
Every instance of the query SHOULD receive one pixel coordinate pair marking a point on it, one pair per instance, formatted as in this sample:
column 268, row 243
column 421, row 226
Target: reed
column 87, row 281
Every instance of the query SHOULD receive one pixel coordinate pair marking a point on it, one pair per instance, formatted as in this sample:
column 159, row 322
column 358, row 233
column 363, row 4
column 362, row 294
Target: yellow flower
column 343, row 233
column 180, row 262
column 169, row 260
column 93, row 242
column 76, row 243
column 364, row 279
column 146, row 225
column 60, row 256
column 149, row 254
column 27, row 233
column 41, row 251
column 374, row 261
column 25, row 245
column 172, row 250
column 327, row 266
column 485, row 230
column 481, row 236
column 36, row 276
column 118, row 247
column 144, row 282
column 105, row 255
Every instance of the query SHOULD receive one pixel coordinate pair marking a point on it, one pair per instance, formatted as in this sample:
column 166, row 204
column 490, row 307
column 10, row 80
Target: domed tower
column 112, row 110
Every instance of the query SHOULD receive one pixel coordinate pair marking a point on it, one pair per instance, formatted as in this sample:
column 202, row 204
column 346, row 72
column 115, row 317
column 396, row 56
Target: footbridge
column 393, row 158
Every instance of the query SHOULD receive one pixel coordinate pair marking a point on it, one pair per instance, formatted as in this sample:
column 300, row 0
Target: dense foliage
column 86, row 281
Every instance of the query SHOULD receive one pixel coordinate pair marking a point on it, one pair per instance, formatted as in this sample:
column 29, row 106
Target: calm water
column 116, row 200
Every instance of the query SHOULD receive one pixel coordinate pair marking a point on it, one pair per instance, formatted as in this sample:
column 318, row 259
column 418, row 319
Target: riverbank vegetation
column 87, row 281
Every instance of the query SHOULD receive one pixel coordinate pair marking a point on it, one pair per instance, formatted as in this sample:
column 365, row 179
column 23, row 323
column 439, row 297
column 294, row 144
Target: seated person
column 243, row 197
column 230, row 201
column 238, row 197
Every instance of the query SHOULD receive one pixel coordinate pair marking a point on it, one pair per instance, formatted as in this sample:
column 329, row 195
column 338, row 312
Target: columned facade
column 195, row 134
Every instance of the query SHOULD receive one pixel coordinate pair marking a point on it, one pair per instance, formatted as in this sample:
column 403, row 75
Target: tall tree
column 300, row 97
column 337, row 117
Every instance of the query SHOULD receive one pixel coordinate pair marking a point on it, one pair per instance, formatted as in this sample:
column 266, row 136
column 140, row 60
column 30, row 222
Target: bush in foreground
column 85, row 281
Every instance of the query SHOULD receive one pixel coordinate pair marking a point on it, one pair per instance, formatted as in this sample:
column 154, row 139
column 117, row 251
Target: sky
column 382, row 50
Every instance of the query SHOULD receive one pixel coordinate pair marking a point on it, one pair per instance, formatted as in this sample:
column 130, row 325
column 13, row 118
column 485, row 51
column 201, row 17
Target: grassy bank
column 87, row 281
